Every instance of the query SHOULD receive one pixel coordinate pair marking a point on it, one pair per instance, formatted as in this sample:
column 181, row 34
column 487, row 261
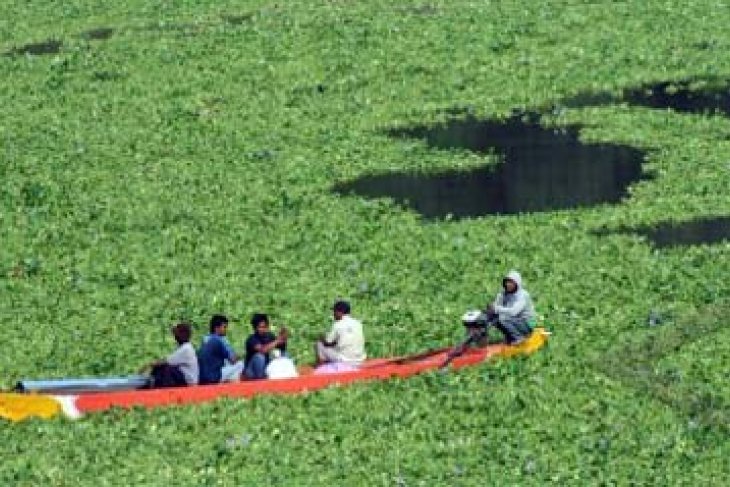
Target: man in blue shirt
column 215, row 351
column 260, row 344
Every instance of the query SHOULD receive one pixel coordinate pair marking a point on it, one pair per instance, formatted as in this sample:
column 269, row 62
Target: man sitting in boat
column 345, row 342
column 512, row 311
column 181, row 367
column 259, row 346
column 217, row 360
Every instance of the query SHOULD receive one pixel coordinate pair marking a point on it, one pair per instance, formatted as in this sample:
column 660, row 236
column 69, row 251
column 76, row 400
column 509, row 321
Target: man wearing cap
column 512, row 311
column 345, row 341
column 216, row 358
column 180, row 368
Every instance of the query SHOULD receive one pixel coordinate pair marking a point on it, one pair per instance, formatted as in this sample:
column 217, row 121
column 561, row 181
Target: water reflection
column 542, row 169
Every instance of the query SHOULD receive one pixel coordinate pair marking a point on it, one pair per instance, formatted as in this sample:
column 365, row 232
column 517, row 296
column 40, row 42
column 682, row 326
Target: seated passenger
column 345, row 341
column 180, row 368
column 259, row 346
column 512, row 311
column 216, row 358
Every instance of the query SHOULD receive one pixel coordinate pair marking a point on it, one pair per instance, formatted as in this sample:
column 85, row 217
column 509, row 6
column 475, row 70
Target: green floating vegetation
column 175, row 160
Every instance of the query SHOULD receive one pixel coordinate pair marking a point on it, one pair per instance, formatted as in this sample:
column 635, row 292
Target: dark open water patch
column 98, row 34
column 693, row 232
column 50, row 46
column 684, row 96
column 236, row 19
column 542, row 169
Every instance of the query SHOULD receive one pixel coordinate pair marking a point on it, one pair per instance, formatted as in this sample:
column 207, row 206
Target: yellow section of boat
column 17, row 407
column 532, row 343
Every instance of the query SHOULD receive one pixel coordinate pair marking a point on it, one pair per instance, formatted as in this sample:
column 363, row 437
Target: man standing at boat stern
column 512, row 311
column 345, row 342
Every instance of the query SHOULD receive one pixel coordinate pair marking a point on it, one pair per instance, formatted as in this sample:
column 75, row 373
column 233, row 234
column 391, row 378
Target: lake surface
column 541, row 169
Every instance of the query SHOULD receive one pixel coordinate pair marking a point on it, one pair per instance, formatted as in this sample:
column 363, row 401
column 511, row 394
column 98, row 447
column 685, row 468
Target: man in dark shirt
column 259, row 345
column 215, row 351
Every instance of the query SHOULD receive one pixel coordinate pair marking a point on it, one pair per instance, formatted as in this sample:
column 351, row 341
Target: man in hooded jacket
column 512, row 311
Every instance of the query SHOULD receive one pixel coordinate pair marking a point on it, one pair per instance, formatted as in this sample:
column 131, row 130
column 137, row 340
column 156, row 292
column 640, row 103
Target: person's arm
column 490, row 310
column 228, row 351
column 277, row 342
column 330, row 339
column 175, row 358
column 268, row 347
column 517, row 307
column 284, row 335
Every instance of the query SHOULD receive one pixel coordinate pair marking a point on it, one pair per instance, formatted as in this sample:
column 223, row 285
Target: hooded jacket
column 514, row 308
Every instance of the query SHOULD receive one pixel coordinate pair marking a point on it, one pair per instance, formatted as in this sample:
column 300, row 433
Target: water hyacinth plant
column 175, row 160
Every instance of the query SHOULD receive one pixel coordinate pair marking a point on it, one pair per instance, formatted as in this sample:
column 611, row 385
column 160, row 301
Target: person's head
column 260, row 323
column 182, row 333
column 218, row 325
column 340, row 309
column 511, row 282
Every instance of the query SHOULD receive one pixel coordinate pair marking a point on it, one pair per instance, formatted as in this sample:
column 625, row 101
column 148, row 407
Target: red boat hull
column 17, row 407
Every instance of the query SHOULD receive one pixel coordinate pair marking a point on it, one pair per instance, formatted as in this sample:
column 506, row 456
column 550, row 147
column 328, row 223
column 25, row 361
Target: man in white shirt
column 180, row 368
column 184, row 357
column 345, row 341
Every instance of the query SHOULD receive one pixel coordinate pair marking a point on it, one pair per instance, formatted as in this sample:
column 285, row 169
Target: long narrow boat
column 19, row 406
